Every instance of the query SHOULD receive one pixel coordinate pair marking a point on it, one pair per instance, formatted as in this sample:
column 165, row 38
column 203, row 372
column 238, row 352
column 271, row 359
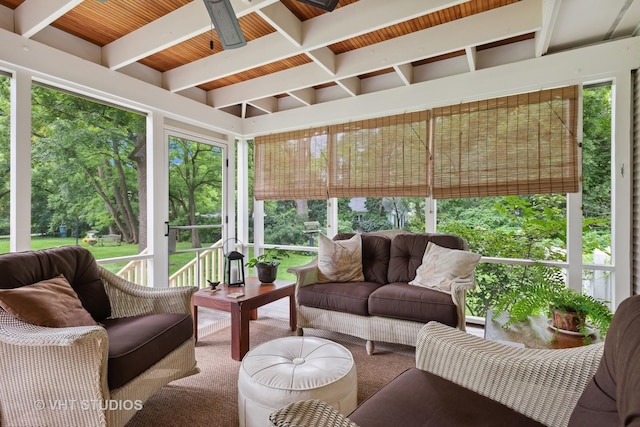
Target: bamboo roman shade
column 381, row 157
column 521, row 144
column 291, row 165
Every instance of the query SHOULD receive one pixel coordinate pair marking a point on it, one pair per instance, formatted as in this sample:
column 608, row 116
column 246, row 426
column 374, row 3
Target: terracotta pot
column 569, row 321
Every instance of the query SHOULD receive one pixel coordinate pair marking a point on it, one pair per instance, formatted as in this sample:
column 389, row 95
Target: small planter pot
column 267, row 273
column 568, row 321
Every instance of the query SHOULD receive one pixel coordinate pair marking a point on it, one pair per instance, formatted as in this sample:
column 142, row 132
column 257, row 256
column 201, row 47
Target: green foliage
column 526, row 227
column 271, row 256
column 551, row 293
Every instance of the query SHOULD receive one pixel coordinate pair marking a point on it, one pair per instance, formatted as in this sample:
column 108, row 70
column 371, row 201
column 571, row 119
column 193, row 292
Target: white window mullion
column 621, row 184
column 20, row 175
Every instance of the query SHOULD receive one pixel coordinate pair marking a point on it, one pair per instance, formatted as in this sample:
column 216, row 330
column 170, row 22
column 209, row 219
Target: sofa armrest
column 305, row 274
column 542, row 384
column 459, row 290
column 130, row 299
column 47, row 367
column 309, row 413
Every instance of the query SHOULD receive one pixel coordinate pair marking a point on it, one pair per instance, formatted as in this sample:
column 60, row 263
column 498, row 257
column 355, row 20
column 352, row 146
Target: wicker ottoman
column 289, row 369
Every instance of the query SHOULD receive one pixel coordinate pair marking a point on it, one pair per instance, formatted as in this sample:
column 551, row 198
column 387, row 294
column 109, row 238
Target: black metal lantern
column 234, row 268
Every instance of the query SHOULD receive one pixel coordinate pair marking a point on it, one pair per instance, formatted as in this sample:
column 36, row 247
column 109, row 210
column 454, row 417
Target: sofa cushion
column 346, row 297
column 407, row 250
column 137, row 343
column 52, row 303
column 441, row 267
column 340, row 260
column 375, row 256
column 77, row 265
column 420, row 398
column 403, row 301
column 612, row 397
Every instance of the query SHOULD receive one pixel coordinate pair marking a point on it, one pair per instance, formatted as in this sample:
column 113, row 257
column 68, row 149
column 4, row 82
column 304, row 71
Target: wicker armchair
column 59, row 376
column 544, row 385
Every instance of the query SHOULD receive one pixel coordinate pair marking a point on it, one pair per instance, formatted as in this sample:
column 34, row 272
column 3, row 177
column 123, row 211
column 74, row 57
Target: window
column 88, row 175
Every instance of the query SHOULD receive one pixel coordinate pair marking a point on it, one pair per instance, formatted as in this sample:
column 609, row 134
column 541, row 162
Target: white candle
column 234, row 275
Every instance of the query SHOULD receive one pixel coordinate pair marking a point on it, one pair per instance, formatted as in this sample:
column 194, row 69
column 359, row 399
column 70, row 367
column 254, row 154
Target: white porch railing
column 208, row 264
column 135, row 271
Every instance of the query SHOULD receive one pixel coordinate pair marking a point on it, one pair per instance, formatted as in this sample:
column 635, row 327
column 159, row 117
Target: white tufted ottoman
column 289, row 369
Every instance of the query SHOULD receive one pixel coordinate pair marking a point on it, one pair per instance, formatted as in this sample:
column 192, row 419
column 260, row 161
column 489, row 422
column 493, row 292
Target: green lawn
column 175, row 261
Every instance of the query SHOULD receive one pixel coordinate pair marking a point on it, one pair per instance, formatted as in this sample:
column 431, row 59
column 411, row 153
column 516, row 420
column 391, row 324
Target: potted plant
column 567, row 309
column 267, row 264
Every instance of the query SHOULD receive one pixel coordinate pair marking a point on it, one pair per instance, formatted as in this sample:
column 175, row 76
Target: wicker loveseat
column 135, row 340
column 383, row 307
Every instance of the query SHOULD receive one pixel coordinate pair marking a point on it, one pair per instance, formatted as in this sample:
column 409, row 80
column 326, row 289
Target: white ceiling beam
column 285, row 22
column 264, row 50
column 282, row 82
column 341, row 24
column 325, row 58
column 497, row 24
column 405, row 72
column 550, row 10
column 268, row 105
column 570, row 67
column 70, row 72
column 351, row 85
column 306, row 96
column 365, row 16
column 471, row 57
column 34, row 15
column 182, row 24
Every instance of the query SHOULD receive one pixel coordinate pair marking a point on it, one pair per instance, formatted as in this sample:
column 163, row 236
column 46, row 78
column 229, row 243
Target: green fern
column 551, row 293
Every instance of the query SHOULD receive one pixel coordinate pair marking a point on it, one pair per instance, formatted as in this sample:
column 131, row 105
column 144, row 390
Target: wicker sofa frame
column 544, row 385
column 369, row 328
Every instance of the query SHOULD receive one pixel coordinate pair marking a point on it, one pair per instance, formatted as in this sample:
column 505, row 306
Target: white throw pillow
column 340, row 260
column 442, row 266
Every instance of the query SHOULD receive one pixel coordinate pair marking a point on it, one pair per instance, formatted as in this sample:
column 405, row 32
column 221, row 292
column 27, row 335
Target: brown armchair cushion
column 51, row 303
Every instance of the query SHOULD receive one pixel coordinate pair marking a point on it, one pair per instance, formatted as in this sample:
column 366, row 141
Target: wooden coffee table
column 534, row 333
column 244, row 308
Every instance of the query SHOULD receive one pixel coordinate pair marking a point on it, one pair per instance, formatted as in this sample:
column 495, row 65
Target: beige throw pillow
column 340, row 260
column 52, row 303
column 441, row 267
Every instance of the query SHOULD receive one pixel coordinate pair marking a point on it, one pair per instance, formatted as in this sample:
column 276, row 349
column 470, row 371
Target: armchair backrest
column 612, row 397
column 77, row 265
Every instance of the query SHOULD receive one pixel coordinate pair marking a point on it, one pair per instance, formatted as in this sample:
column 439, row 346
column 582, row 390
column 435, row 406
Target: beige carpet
column 210, row 398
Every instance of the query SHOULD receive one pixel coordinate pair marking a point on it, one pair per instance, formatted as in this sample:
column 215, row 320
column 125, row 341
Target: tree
column 195, row 183
column 83, row 150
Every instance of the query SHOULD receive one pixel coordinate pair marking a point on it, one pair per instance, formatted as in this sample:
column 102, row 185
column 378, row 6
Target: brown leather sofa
column 463, row 380
column 102, row 369
column 383, row 307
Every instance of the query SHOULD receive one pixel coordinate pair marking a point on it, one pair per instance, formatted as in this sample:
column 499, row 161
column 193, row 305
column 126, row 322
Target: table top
column 251, row 289
column 533, row 333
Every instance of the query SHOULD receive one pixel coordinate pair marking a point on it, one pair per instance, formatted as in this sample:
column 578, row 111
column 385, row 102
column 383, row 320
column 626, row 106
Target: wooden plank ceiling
column 105, row 22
